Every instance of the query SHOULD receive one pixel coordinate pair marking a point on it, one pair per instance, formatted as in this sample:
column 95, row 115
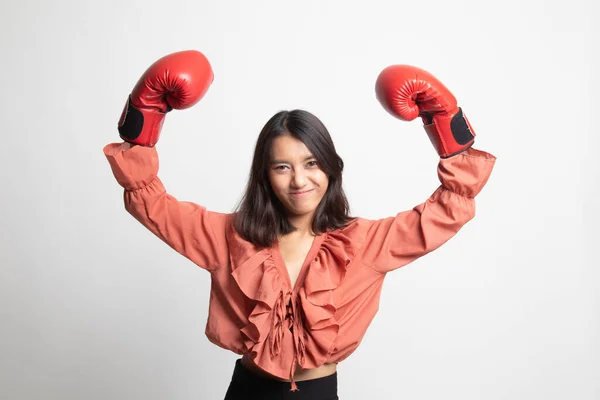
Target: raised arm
column 396, row 241
column 176, row 81
column 188, row 228
column 408, row 92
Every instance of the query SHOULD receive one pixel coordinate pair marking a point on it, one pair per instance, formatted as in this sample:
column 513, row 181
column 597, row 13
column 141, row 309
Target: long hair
column 260, row 216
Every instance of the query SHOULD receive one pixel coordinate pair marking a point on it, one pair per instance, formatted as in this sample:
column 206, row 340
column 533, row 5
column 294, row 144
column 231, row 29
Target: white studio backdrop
column 94, row 307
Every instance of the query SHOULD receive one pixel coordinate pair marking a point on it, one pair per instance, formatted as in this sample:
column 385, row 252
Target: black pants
column 247, row 385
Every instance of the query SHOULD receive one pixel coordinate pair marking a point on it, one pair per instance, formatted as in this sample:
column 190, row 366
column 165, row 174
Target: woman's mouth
column 302, row 193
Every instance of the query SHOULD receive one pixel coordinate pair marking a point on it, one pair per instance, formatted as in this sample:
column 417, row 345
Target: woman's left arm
column 396, row 241
column 407, row 93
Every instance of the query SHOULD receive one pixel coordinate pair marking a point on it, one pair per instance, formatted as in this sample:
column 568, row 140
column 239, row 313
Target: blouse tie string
column 298, row 335
column 286, row 316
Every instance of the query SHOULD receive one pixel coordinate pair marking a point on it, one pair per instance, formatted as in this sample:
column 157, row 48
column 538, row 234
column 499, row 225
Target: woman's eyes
column 309, row 164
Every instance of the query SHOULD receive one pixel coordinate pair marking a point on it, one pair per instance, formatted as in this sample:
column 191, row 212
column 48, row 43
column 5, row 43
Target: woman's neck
column 303, row 224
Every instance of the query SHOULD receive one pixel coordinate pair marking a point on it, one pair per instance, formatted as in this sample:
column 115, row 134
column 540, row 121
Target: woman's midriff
column 300, row 375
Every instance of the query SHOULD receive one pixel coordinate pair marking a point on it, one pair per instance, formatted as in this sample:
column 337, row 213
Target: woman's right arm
column 188, row 228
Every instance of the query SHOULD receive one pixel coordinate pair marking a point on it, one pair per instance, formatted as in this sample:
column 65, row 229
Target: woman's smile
column 302, row 193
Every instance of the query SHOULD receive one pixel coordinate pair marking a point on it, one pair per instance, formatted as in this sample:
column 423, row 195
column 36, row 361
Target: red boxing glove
column 407, row 92
column 176, row 81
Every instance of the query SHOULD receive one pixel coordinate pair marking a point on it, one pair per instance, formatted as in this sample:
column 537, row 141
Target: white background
column 94, row 307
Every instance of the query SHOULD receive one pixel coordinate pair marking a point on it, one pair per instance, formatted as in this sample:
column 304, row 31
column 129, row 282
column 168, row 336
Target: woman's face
column 295, row 176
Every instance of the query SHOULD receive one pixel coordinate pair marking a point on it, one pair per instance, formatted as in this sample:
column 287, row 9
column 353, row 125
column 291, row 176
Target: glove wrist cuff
column 140, row 126
column 450, row 134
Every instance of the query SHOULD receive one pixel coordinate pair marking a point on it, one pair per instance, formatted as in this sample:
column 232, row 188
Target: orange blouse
column 253, row 306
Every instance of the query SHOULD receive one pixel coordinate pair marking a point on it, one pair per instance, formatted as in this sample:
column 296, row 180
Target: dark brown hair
column 260, row 216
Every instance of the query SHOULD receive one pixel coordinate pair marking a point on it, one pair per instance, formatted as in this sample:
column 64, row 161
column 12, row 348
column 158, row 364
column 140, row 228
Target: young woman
column 296, row 280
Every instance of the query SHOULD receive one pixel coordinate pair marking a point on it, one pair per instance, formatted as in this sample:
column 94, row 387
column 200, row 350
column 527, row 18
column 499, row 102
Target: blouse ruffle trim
column 312, row 313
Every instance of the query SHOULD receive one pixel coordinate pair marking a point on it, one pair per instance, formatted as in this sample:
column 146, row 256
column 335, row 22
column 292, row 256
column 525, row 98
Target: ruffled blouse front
column 254, row 309
column 301, row 318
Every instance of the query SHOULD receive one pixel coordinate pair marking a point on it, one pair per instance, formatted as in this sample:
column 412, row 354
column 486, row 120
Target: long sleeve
column 188, row 228
column 396, row 241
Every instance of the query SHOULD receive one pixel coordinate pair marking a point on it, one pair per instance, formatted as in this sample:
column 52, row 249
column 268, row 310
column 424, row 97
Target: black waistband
column 324, row 387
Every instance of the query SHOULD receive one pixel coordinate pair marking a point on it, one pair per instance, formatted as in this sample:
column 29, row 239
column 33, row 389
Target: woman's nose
column 299, row 179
